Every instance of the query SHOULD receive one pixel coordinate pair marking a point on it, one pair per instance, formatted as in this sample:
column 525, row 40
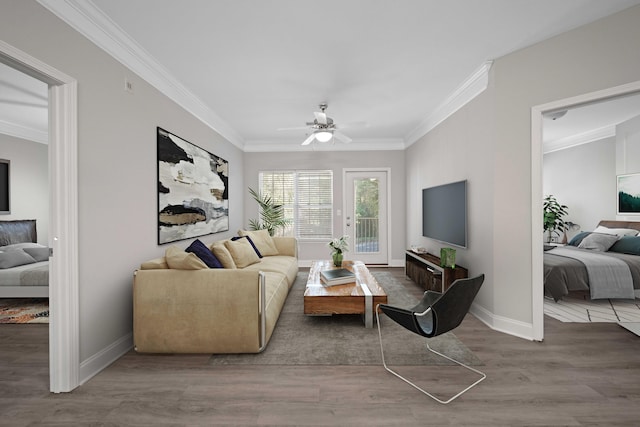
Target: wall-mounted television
column 444, row 213
column 4, row 187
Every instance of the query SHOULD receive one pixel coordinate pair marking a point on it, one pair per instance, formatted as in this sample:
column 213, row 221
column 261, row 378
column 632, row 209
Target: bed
column 604, row 262
column 24, row 264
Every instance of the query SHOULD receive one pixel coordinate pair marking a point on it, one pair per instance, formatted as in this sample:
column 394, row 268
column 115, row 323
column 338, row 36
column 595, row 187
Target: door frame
column 64, row 348
column 387, row 171
column 537, row 265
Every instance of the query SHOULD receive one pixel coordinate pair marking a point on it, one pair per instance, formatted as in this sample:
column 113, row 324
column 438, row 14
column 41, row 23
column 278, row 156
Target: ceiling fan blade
column 321, row 117
column 353, row 125
column 309, row 140
column 295, row 128
column 342, row 137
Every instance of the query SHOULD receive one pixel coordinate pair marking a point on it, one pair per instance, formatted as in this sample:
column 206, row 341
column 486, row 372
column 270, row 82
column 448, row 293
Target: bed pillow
column 204, row 253
column 263, row 241
column 242, row 252
column 617, row 231
column 627, row 245
column 15, row 258
column 20, row 246
column 39, row 254
column 578, row 238
column 178, row 259
column 598, row 241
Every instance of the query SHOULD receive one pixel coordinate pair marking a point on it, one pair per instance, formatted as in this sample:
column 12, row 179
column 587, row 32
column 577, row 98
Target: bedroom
column 581, row 163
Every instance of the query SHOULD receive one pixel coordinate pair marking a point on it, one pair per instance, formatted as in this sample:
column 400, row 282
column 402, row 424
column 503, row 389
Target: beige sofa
column 182, row 306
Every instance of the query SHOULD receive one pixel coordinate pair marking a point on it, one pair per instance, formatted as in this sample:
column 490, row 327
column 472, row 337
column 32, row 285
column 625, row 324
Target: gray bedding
column 26, row 275
column 563, row 274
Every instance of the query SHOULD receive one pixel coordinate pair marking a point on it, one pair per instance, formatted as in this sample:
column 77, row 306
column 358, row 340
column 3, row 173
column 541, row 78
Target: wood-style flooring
column 582, row 374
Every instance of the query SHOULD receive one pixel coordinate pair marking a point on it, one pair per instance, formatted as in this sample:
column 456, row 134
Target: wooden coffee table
column 359, row 297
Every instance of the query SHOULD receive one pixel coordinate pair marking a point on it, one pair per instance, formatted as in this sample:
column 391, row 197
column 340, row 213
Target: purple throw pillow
column 204, row 253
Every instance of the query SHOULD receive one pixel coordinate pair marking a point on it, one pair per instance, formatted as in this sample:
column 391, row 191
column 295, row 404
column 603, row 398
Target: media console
column 425, row 270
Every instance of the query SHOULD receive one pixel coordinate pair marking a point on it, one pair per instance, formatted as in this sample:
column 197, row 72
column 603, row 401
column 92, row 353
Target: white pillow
column 617, row 231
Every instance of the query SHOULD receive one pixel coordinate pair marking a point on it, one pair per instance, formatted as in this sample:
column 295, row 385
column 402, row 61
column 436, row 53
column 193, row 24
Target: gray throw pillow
column 598, row 241
column 39, row 254
column 14, row 259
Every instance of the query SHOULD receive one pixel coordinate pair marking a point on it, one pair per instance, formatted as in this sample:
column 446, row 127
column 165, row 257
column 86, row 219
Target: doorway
column 366, row 215
column 537, row 113
column 64, row 348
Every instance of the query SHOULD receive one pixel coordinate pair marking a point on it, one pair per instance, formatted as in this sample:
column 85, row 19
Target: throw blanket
column 608, row 277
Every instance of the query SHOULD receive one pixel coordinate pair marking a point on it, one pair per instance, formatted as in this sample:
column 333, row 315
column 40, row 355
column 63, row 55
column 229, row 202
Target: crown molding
column 262, row 146
column 88, row 20
column 473, row 86
column 23, row 132
column 579, row 139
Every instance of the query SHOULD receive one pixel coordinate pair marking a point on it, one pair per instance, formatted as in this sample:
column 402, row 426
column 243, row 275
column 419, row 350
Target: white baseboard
column 503, row 324
column 105, row 357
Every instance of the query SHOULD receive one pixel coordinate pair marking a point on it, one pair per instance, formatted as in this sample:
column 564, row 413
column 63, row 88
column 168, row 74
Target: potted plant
column 271, row 214
column 338, row 246
column 553, row 212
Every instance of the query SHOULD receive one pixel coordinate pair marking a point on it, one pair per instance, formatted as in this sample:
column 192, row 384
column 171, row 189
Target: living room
column 487, row 142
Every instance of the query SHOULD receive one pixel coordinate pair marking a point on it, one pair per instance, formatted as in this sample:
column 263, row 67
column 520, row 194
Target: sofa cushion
column 278, row 264
column 178, row 259
column 263, row 241
column 222, row 253
column 204, row 253
column 242, row 252
column 253, row 245
column 155, row 264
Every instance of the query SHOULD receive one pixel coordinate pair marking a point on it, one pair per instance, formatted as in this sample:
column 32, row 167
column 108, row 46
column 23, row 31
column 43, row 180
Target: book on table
column 337, row 276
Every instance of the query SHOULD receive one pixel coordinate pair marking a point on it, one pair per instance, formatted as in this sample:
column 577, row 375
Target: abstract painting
column 193, row 190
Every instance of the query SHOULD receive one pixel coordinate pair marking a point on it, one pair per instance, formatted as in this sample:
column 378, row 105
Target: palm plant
column 271, row 214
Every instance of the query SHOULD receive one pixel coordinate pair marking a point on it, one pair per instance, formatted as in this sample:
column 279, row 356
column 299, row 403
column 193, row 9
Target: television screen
column 4, row 186
column 444, row 213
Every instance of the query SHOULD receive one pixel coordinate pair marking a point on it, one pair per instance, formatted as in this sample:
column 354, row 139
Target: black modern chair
column 436, row 314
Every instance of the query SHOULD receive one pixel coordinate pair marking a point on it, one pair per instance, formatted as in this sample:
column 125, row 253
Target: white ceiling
column 251, row 67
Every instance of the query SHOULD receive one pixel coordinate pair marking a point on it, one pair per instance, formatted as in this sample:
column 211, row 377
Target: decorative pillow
column 242, row 252
column 578, row 238
column 598, row 241
column 19, row 246
column 39, row 254
column 617, row 231
column 250, row 241
column 15, row 258
column 627, row 245
column 155, row 264
column 222, row 253
column 204, row 253
column 263, row 241
column 178, row 259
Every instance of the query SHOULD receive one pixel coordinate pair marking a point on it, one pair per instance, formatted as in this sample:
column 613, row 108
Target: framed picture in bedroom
column 5, row 197
column 193, row 190
column 629, row 194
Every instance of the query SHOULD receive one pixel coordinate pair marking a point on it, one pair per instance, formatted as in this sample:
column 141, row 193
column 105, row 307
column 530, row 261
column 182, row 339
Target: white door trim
column 388, row 189
column 64, row 354
column 537, row 111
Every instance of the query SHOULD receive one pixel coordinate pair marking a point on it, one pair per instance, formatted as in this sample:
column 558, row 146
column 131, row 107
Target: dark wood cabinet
column 425, row 270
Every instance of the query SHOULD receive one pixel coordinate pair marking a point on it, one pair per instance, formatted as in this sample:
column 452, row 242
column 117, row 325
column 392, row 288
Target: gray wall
column 584, row 179
column 336, row 161
column 117, row 191
column 29, row 182
column 590, row 58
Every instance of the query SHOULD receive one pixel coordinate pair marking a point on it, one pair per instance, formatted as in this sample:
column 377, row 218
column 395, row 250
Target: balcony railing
column 367, row 235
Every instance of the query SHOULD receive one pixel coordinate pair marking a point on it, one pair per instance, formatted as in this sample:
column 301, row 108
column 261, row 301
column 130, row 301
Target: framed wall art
column 5, row 186
column 193, row 190
column 629, row 194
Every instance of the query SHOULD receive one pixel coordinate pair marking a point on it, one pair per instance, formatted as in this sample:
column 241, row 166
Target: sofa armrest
column 198, row 311
column 286, row 246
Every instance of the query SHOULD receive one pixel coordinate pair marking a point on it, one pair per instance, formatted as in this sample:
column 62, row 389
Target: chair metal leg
column 483, row 376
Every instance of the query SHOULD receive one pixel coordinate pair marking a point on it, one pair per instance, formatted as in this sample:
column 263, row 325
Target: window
column 307, row 197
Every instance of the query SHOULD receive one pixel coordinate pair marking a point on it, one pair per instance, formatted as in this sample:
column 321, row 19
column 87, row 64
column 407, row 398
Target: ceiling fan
column 323, row 128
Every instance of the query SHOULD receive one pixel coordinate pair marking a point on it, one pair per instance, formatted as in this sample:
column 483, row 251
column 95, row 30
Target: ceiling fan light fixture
column 323, row 136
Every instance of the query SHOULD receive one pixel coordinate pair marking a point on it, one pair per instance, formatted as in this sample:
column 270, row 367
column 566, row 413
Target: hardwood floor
column 582, row 374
